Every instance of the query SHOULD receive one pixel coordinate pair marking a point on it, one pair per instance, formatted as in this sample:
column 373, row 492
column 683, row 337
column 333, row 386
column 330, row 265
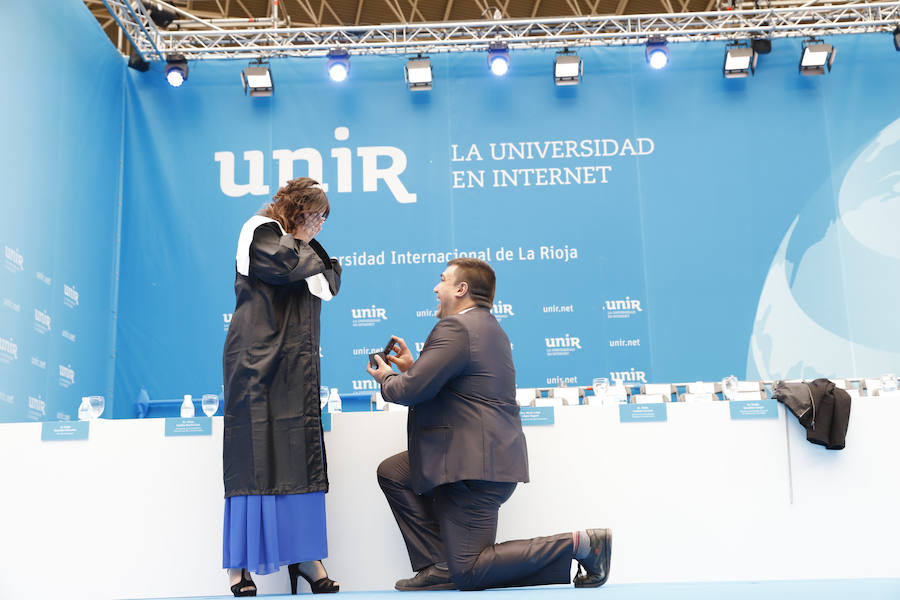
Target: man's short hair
column 480, row 277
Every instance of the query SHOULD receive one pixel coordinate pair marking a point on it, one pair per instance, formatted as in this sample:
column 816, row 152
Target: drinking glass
column 98, row 403
column 323, row 396
column 729, row 387
column 620, row 394
column 889, row 382
column 210, row 404
column 600, row 385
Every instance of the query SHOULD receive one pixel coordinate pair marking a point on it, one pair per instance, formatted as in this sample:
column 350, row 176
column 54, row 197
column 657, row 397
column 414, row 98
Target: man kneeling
column 466, row 453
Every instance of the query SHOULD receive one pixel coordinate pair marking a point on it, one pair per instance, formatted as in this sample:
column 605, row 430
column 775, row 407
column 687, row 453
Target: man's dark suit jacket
column 463, row 419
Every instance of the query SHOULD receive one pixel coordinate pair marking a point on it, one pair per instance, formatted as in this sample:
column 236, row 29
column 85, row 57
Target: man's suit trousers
column 457, row 523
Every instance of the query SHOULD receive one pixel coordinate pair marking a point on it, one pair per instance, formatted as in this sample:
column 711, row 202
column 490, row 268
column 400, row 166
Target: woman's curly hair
column 296, row 199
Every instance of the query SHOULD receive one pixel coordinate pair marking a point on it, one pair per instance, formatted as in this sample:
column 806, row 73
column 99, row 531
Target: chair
column 701, row 391
column 548, row 397
column 847, row 386
column 614, row 395
column 525, row 396
column 570, row 396
column 872, row 386
column 654, row 392
column 750, row 390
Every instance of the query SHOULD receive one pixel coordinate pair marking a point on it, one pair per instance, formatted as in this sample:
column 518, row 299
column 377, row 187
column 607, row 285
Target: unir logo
column 631, row 376
column 37, row 405
column 66, row 375
column 568, row 341
column 8, row 349
column 14, row 260
column 501, row 310
column 71, row 296
column 370, row 157
column 622, row 309
column 561, row 346
column 367, row 317
column 41, row 321
column 365, row 385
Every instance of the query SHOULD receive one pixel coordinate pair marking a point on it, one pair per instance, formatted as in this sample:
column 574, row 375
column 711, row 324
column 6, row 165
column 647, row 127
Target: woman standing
column 274, row 457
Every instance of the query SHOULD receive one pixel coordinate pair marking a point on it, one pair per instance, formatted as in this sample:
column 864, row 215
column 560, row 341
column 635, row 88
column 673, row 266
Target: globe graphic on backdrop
column 829, row 304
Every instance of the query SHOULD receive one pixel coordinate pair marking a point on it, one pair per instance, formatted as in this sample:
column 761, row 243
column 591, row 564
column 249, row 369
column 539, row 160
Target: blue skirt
column 264, row 533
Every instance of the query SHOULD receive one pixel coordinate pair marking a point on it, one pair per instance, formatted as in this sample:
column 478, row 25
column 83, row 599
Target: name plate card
column 536, row 415
column 57, row 431
column 754, row 409
column 178, row 427
column 326, row 421
column 638, row 413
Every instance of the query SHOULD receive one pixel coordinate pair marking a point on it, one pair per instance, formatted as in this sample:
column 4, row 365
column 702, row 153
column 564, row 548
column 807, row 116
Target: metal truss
column 215, row 41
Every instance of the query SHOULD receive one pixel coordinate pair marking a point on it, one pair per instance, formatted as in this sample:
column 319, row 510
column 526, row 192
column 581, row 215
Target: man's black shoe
column 429, row 578
column 597, row 562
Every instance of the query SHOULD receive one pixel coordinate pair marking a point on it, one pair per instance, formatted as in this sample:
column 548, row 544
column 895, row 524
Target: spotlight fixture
column 418, row 74
column 816, row 56
column 740, row 60
column 657, row 52
column 161, row 16
column 498, row 58
column 135, row 61
column 761, row 45
column 897, row 39
column 567, row 68
column 176, row 70
column 338, row 64
column 257, row 79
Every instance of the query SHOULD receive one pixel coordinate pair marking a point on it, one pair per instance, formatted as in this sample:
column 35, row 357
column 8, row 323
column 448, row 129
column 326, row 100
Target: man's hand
column 402, row 357
column 383, row 370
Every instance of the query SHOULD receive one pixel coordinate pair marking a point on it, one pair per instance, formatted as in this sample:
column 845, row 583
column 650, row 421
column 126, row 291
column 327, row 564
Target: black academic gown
column 273, row 430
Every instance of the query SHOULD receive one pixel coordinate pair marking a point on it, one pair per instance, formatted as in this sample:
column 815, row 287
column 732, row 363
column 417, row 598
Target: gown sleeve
column 282, row 259
column 332, row 267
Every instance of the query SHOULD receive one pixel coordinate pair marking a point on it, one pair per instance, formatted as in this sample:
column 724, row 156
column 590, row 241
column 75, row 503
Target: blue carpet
column 831, row 589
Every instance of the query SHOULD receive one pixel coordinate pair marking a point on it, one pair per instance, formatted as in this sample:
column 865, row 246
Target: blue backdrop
column 652, row 225
column 60, row 158
column 634, row 221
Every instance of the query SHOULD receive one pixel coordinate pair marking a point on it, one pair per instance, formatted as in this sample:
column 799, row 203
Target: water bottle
column 84, row 409
column 187, row 407
column 334, row 401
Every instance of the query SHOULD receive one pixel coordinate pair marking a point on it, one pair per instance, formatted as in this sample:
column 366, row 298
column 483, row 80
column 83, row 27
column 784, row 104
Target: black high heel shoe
column 322, row 586
column 244, row 587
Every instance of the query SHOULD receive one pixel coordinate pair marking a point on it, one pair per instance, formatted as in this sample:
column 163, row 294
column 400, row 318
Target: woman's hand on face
column 309, row 227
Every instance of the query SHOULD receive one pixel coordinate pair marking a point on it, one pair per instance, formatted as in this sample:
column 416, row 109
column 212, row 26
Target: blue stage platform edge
column 828, row 589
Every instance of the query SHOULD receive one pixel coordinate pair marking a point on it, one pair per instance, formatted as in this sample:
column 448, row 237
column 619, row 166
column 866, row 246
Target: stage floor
column 831, row 589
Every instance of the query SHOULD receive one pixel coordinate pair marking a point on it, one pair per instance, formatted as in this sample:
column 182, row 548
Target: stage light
column 897, row 39
column 257, row 79
column 161, row 16
column 498, row 58
column 816, row 56
column 740, row 60
column 176, row 70
column 567, row 68
column 761, row 45
column 135, row 61
column 657, row 52
column 338, row 64
column 418, row 74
